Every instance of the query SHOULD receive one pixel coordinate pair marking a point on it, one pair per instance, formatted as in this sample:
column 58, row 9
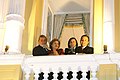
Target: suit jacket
column 86, row 50
column 39, row 51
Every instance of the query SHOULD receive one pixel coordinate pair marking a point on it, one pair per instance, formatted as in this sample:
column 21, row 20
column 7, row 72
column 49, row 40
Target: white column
column 109, row 24
column 3, row 11
column 44, row 18
column 1, row 36
column 13, row 35
column 14, row 26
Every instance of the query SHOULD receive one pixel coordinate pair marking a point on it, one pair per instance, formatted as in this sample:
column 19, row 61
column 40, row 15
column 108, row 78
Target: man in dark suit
column 84, row 49
column 42, row 48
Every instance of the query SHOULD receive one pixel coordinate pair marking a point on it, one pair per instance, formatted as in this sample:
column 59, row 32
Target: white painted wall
column 2, row 31
column 109, row 24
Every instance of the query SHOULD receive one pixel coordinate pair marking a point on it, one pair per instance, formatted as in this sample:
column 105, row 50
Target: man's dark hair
column 84, row 36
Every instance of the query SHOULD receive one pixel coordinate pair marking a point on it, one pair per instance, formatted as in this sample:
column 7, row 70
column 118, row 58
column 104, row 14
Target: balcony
column 101, row 66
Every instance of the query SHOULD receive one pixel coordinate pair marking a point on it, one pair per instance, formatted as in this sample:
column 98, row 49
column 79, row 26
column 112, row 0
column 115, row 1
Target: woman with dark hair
column 72, row 44
column 54, row 46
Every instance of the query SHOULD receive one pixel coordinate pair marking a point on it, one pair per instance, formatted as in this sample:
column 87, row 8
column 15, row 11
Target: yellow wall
column 33, row 22
column 98, row 26
column 107, row 72
column 10, row 72
column 38, row 20
column 117, row 25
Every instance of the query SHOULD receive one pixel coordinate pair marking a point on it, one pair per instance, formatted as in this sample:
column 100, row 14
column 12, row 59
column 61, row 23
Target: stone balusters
column 56, row 71
column 84, row 69
column 93, row 72
column 63, row 67
column 27, row 71
column 74, row 69
column 64, row 70
column 36, row 71
column 45, row 71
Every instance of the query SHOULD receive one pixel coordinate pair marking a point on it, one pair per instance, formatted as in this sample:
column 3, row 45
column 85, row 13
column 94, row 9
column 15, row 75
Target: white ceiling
column 69, row 6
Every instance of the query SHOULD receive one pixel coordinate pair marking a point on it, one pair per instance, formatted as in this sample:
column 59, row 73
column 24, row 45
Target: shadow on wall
column 33, row 21
column 28, row 10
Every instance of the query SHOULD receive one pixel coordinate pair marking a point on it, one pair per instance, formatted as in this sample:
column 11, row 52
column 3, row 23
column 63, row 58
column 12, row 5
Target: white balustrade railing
column 65, row 67
column 9, row 59
column 67, row 63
